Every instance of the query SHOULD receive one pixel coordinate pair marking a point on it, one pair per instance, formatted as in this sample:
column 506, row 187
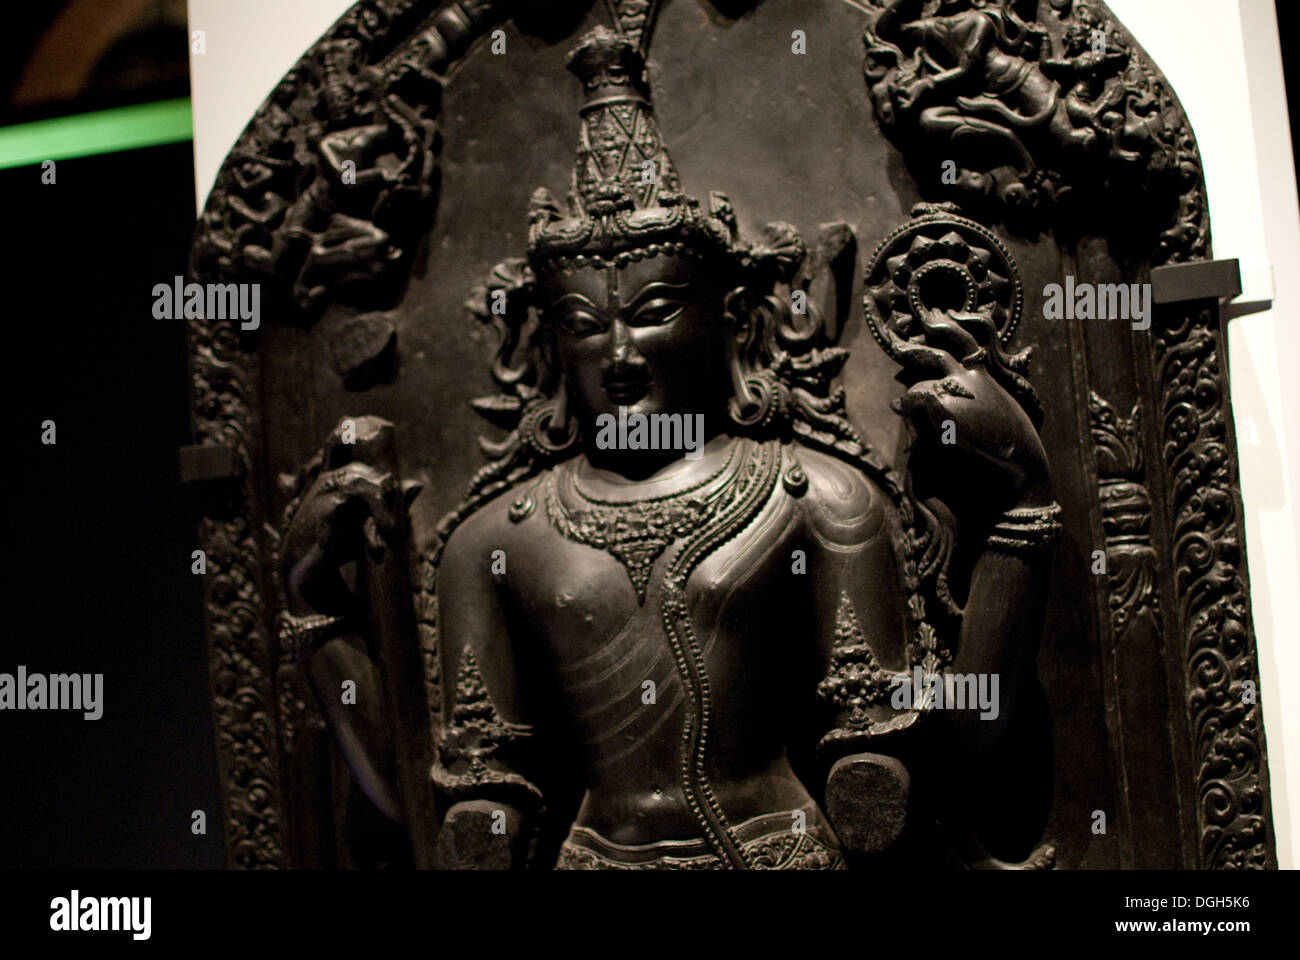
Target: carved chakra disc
column 940, row 260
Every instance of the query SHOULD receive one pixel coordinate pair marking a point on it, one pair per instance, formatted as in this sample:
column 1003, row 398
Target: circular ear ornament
column 759, row 414
column 538, row 430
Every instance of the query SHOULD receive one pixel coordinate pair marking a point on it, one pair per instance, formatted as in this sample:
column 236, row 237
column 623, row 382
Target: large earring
column 548, row 429
column 755, row 402
column 558, row 429
column 755, row 397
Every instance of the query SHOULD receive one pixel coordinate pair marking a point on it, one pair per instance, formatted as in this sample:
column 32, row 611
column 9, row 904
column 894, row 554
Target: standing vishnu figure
column 655, row 661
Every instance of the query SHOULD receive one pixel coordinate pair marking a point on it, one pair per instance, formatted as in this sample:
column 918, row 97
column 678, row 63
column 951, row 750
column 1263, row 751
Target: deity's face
column 649, row 336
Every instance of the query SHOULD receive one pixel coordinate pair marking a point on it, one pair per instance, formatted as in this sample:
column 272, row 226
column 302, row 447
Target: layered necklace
column 636, row 532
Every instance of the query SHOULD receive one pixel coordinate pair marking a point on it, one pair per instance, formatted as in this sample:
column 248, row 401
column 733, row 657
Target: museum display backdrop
column 939, row 563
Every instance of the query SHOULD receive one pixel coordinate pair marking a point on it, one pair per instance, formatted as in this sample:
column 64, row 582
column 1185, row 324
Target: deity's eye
column 656, row 313
column 579, row 322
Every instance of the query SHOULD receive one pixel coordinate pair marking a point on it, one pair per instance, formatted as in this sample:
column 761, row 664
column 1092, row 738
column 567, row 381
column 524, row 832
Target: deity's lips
column 625, row 387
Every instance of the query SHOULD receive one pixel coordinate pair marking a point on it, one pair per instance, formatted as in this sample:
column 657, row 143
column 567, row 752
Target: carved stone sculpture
column 688, row 616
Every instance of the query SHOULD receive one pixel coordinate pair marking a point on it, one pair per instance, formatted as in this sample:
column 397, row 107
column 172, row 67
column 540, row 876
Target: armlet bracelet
column 1026, row 529
column 299, row 633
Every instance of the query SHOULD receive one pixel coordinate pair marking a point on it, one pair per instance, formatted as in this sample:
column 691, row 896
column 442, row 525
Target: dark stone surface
column 1084, row 167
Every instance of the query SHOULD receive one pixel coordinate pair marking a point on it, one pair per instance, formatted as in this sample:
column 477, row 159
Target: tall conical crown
column 625, row 194
column 619, row 142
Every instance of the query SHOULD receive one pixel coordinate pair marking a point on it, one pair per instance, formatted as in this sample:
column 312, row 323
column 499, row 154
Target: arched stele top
column 328, row 190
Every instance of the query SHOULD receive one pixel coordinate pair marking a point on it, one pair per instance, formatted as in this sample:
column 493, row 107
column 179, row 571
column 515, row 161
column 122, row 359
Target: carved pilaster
column 240, row 660
column 1211, row 588
column 1131, row 559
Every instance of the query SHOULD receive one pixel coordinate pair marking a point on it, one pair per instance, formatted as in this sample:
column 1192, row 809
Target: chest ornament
column 637, row 532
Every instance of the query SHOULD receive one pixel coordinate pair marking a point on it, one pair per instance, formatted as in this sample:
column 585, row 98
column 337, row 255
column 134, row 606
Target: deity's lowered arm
column 486, row 753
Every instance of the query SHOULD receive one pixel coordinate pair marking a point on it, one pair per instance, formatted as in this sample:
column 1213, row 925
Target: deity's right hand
column 962, row 410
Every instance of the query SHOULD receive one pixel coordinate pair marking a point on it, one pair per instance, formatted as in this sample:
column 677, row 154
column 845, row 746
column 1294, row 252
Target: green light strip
column 104, row 131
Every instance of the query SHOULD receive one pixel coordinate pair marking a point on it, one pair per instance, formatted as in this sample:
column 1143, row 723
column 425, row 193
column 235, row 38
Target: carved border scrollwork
column 239, row 656
column 1212, row 593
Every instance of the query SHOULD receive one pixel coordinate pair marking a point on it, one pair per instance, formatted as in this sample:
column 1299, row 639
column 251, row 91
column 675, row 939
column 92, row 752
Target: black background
column 97, row 530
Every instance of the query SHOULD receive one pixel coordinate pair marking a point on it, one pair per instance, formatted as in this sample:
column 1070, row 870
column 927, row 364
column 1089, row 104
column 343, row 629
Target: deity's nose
column 624, row 374
column 622, row 352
